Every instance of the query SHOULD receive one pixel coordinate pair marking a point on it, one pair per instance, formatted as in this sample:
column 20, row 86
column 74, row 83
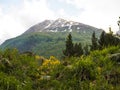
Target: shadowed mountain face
column 48, row 37
column 60, row 25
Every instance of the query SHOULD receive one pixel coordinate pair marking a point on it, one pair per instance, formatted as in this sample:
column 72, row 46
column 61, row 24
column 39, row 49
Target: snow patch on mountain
column 47, row 25
column 78, row 28
column 62, row 25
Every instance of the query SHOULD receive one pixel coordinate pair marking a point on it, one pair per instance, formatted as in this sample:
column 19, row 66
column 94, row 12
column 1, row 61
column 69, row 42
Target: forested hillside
column 47, row 43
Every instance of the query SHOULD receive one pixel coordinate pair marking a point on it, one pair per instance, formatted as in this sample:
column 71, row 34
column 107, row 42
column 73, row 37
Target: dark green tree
column 78, row 51
column 94, row 45
column 86, row 50
column 108, row 39
column 111, row 40
column 101, row 40
column 69, row 46
column 75, row 49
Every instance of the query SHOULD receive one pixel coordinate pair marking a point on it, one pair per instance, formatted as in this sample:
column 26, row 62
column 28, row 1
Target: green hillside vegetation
column 76, row 49
column 47, row 43
column 93, row 68
column 100, row 70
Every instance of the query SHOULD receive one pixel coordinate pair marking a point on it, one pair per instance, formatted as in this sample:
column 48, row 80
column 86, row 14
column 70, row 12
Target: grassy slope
column 46, row 44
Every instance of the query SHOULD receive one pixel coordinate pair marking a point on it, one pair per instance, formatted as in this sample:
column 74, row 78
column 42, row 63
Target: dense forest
column 90, row 67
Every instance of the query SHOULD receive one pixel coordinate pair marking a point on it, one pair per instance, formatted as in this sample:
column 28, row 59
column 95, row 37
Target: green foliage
column 77, row 49
column 97, row 71
column 16, row 70
column 69, row 47
column 102, row 39
column 72, row 49
column 86, row 49
column 47, row 43
column 108, row 39
column 94, row 72
column 94, row 45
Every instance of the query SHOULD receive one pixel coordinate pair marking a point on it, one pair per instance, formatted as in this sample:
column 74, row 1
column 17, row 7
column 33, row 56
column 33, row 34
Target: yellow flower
column 49, row 64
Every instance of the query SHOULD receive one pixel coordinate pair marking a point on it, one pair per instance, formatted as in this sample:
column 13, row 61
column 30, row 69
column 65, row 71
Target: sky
column 16, row 16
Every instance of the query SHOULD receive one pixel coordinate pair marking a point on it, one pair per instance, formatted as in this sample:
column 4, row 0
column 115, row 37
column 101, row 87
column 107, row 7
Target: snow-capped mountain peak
column 59, row 25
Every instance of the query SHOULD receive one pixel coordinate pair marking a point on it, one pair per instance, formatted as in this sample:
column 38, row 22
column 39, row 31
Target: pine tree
column 94, row 45
column 102, row 40
column 108, row 39
column 75, row 49
column 111, row 40
column 78, row 51
column 69, row 46
column 86, row 49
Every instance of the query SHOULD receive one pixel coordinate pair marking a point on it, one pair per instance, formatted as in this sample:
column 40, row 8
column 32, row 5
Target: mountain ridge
column 58, row 25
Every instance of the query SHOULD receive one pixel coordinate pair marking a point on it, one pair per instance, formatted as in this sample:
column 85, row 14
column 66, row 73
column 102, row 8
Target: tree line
column 105, row 40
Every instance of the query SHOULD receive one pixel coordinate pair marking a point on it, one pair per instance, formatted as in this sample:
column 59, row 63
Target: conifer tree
column 69, row 46
column 78, row 51
column 102, row 40
column 94, row 45
column 75, row 49
column 86, row 49
column 108, row 39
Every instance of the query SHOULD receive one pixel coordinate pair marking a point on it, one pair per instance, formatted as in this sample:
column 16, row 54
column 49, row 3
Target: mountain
column 60, row 25
column 48, row 37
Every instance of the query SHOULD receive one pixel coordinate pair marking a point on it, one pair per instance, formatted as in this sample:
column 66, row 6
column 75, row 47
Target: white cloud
column 9, row 27
column 102, row 13
column 35, row 11
column 16, row 20
column 98, row 13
